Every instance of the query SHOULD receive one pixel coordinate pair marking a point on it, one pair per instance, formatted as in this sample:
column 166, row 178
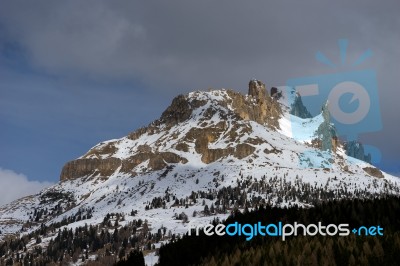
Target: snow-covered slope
column 217, row 148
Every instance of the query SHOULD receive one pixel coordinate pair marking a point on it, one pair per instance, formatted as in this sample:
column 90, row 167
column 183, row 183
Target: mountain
column 210, row 153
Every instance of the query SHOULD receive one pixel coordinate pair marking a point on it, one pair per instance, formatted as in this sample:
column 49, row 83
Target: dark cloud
column 171, row 47
column 192, row 43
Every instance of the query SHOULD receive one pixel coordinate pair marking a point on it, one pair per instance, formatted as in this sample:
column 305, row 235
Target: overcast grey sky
column 73, row 73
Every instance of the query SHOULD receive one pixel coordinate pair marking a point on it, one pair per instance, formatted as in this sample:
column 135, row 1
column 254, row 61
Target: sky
column 75, row 73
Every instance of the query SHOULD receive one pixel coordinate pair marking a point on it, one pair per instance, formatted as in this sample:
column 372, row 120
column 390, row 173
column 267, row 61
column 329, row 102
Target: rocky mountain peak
column 327, row 138
column 298, row 108
column 180, row 109
column 257, row 89
column 257, row 106
column 208, row 125
column 325, row 111
column 355, row 149
column 215, row 115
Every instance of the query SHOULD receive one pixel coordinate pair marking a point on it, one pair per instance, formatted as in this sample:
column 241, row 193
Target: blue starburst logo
column 352, row 96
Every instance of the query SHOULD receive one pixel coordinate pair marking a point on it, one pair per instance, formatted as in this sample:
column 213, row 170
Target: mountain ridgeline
column 257, row 106
column 210, row 154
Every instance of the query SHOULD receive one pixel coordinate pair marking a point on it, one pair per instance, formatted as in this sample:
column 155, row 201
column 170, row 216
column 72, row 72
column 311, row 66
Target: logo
column 283, row 230
column 351, row 97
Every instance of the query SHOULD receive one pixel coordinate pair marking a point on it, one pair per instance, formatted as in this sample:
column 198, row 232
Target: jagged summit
column 327, row 137
column 355, row 149
column 257, row 105
column 257, row 89
column 210, row 115
column 206, row 127
column 298, row 108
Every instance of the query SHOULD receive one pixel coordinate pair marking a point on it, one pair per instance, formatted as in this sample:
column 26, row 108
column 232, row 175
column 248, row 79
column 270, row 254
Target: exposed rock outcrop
column 180, row 110
column 327, row 139
column 258, row 106
column 274, row 91
column 203, row 136
column 298, row 108
column 107, row 149
column 356, row 149
column 257, row 89
column 89, row 167
column 374, row 172
column 106, row 167
column 157, row 160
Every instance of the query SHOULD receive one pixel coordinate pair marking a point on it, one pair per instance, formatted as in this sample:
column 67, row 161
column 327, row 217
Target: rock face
column 257, row 106
column 356, row 149
column 203, row 137
column 87, row 167
column 327, row 139
column 180, row 110
column 274, row 91
column 298, row 108
column 257, row 89
column 374, row 172
column 105, row 167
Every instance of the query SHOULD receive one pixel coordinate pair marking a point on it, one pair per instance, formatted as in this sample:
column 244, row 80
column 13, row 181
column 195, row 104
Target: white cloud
column 14, row 186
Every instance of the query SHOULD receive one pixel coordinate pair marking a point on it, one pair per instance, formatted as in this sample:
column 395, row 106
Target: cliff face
column 180, row 110
column 107, row 166
column 298, row 108
column 356, row 149
column 229, row 106
column 256, row 106
column 326, row 134
column 86, row 167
